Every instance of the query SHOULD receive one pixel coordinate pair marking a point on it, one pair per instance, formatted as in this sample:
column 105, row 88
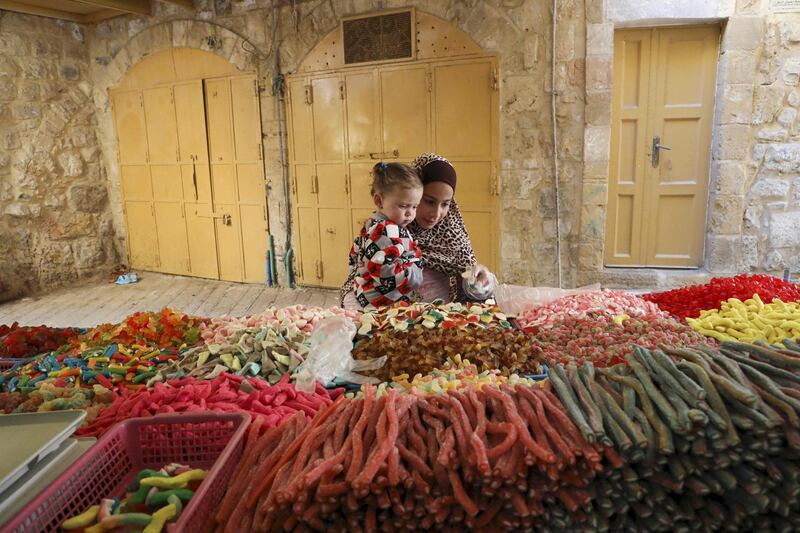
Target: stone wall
column 55, row 224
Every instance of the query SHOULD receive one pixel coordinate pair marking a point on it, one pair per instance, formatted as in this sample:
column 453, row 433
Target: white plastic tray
column 40, row 476
column 29, row 437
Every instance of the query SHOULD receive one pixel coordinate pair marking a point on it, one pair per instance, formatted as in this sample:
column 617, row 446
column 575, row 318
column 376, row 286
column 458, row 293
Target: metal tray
column 29, row 437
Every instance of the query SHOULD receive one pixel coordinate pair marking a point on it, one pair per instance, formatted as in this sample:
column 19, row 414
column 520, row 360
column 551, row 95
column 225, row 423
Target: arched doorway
column 190, row 159
column 344, row 116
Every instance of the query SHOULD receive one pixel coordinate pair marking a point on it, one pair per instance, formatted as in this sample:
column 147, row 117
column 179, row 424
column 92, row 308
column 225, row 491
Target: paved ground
column 92, row 303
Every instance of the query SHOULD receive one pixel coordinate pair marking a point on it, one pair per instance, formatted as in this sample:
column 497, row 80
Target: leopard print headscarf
column 445, row 247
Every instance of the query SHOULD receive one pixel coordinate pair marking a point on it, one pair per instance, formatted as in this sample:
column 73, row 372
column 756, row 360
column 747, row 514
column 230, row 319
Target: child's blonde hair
column 389, row 176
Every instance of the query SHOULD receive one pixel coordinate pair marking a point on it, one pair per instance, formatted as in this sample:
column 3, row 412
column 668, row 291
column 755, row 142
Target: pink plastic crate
column 207, row 440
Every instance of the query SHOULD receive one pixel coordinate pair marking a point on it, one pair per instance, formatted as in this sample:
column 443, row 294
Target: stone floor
column 92, row 303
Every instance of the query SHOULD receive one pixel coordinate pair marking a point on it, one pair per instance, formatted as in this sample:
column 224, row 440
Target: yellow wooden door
column 662, row 111
column 165, row 173
column 137, row 188
column 465, row 129
column 196, row 177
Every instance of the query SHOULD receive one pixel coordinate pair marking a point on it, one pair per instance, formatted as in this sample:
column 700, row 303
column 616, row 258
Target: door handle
column 657, row 147
column 381, row 155
column 332, row 231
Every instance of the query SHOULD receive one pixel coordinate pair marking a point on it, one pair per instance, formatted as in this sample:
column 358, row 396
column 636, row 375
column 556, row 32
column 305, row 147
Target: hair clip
column 383, row 166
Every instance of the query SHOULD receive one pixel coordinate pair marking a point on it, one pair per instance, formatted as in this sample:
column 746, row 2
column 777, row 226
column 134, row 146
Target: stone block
column 737, row 104
column 8, row 89
column 600, row 39
column 36, row 69
column 27, row 110
column 530, row 50
column 71, row 164
column 8, row 67
column 88, row 253
column 794, row 98
column 770, row 189
column 595, row 193
column 29, row 91
column 784, row 158
column 87, row 198
column 784, row 229
column 598, row 108
column 70, row 72
column 597, row 143
column 787, row 117
column 727, row 215
column 22, row 210
column 768, row 102
column 773, row 133
column 791, row 71
column 598, row 73
column 723, row 253
column 740, row 66
column 731, row 178
column 743, row 33
column 732, row 142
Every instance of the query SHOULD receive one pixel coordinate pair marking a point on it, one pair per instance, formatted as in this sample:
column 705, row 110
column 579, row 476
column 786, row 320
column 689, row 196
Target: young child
column 385, row 254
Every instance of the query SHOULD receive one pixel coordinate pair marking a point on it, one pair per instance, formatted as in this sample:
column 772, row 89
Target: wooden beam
column 99, row 16
column 11, row 5
column 141, row 7
column 184, row 3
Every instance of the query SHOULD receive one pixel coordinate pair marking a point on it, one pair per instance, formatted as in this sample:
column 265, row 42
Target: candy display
column 26, row 341
column 291, row 319
column 153, row 500
column 403, row 316
column 606, row 341
column 692, row 300
column 267, row 351
column 600, row 411
column 708, row 437
column 589, row 304
column 456, row 374
column 226, row 392
column 750, row 321
column 421, row 350
column 473, row 459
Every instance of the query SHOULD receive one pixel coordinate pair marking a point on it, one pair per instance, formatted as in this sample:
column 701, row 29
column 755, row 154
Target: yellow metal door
column 196, row 177
column 405, row 111
column 237, row 178
column 341, row 124
column 249, row 168
column 334, row 245
column 363, row 115
column 165, row 173
column 137, row 188
column 466, row 126
column 662, row 110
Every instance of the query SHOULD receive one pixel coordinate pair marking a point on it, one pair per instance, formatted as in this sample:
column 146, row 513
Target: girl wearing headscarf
column 440, row 232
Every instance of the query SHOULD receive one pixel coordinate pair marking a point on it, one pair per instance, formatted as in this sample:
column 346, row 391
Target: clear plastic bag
column 330, row 356
column 515, row 299
column 475, row 290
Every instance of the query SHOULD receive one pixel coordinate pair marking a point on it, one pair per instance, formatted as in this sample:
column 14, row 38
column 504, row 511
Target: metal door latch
column 657, row 147
column 226, row 219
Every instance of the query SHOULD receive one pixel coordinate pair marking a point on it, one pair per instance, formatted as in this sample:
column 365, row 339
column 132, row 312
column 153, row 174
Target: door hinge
column 147, row 156
column 347, row 183
column 255, row 88
column 300, row 271
column 183, row 210
column 141, row 100
column 294, row 184
column 494, row 185
column 171, row 96
column 260, row 151
column 314, row 184
column 319, row 269
column 309, row 94
column 429, row 81
column 177, row 154
column 264, row 207
column 495, row 82
column 342, row 93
